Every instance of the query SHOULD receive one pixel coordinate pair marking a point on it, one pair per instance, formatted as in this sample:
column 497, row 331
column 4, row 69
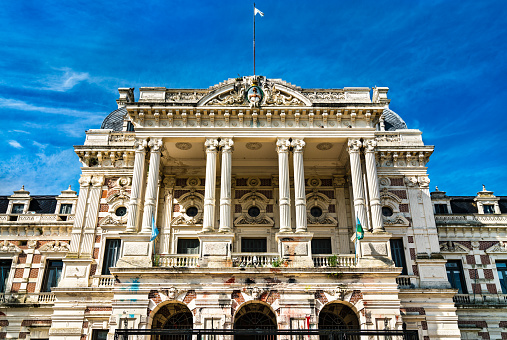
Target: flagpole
column 254, row 40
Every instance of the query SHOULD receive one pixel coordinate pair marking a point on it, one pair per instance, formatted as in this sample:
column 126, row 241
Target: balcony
column 486, row 300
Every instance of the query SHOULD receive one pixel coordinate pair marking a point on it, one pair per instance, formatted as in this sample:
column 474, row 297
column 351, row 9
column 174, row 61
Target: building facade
column 256, row 187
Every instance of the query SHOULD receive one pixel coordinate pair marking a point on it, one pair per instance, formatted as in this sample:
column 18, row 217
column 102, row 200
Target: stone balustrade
column 176, row 260
column 345, row 260
column 46, row 298
column 256, row 259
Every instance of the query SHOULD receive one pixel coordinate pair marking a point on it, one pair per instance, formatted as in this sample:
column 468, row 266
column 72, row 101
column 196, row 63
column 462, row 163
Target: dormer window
column 489, row 208
column 17, row 208
column 65, row 209
column 441, row 209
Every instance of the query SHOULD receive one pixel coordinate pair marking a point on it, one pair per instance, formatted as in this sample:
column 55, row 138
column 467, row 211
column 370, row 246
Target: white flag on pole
column 256, row 11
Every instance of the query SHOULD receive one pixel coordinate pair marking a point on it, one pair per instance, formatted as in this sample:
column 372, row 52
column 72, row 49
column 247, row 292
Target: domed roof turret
column 393, row 121
column 114, row 120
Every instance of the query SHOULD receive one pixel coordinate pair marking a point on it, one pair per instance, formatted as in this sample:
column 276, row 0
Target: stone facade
column 255, row 186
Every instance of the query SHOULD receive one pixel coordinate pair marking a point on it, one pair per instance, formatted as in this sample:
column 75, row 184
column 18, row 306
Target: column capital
column 155, row 144
column 369, row 145
column 354, row 145
column 211, row 144
column 140, row 145
column 298, row 145
column 97, row 181
column 85, row 181
column 227, row 144
column 282, row 145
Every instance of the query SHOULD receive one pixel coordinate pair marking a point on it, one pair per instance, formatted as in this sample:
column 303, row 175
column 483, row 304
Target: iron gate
column 262, row 334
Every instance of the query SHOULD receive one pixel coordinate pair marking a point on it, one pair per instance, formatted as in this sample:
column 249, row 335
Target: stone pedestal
column 136, row 251
column 296, row 249
column 374, row 250
column 432, row 272
column 75, row 273
column 216, row 250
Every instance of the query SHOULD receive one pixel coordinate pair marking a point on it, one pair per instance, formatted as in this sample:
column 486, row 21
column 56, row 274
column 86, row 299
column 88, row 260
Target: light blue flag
column 154, row 229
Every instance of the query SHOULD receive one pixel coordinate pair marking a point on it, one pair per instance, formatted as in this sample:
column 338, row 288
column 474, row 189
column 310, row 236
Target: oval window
column 316, row 211
column 192, row 211
column 121, row 211
column 386, row 211
column 254, row 211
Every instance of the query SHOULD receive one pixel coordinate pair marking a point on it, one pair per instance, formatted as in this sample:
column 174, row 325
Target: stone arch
column 255, row 315
column 338, row 315
column 171, row 315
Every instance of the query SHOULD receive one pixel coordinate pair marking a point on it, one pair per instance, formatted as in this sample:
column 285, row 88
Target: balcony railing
column 103, row 281
column 406, row 281
column 256, row 260
column 177, row 260
column 345, row 260
column 46, row 298
column 480, row 299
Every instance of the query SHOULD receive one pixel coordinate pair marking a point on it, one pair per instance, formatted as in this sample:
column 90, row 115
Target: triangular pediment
column 500, row 247
column 453, row 247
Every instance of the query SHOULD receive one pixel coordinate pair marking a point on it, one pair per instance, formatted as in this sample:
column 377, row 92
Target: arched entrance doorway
column 255, row 315
column 172, row 316
column 337, row 316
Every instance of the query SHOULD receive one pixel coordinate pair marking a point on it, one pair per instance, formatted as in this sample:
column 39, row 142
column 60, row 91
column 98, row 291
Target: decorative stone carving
column 249, row 200
column 7, row 247
column 314, row 182
column 193, row 182
column 183, row 146
column 172, row 293
column 55, row 247
column 316, row 199
column 424, row 182
column 340, row 292
column 453, row 247
column 191, row 199
column 255, row 292
column 500, row 247
column 253, row 146
column 411, row 181
column 354, row 145
column 324, row 146
column 97, row 181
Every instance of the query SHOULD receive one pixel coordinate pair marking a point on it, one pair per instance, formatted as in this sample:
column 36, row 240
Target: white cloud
column 15, row 144
column 24, row 106
column 67, row 81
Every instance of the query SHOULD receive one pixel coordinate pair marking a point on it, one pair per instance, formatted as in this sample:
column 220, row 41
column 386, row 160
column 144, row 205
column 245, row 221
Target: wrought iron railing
column 262, row 334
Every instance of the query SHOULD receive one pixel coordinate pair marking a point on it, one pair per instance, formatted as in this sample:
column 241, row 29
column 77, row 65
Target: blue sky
column 62, row 62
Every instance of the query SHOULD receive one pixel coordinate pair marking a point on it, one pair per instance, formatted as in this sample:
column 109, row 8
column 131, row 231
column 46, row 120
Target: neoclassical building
column 255, row 186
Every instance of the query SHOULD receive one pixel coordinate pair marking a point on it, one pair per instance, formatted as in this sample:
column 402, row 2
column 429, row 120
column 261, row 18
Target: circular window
column 121, row 211
column 316, row 212
column 254, row 212
column 386, row 211
column 192, row 211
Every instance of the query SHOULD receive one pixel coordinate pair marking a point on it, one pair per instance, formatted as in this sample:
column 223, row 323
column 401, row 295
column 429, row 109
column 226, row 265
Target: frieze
column 8, row 247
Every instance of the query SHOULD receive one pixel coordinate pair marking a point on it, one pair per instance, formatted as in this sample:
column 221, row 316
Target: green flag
column 359, row 230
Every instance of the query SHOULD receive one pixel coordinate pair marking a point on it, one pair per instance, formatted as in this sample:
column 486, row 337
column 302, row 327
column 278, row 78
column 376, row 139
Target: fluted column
column 211, row 145
column 155, row 145
column 137, row 180
column 282, row 147
column 225, row 190
column 357, row 180
column 77, row 230
column 299, row 185
column 373, row 184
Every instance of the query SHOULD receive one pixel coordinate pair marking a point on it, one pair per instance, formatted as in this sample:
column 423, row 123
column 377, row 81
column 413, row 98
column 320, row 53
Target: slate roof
column 466, row 204
column 114, row 120
column 393, row 121
column 41, row 204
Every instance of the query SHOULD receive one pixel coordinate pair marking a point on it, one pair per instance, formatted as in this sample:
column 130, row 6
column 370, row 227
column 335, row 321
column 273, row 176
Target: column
column 225, row 189
column 209, row 189
column 155, row 145
column 299, row 185
column 282, row 147
column 373, row 185
column 357, row 180
column 77, row 229
column 91, row 216
column 137, row 180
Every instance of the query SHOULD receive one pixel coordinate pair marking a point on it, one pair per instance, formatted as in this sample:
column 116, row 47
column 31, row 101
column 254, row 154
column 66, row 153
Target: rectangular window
column 489, row 209
column 5, row 268
column 52, row 274
column 441, row 209
column 501, row 267
column 455, row 276
column 66, row 209
column 17, row 208
column 188, row 246
column 111, row 255
column 99, row 334
column 321, row 246
column 398, row 253
column 253, row 245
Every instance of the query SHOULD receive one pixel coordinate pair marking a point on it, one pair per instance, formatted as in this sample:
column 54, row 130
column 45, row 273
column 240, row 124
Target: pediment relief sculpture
column 500, row 247
column 8, row 247
column 191, row 209
column 255, row 92
column 253, row 210
column 453, row 247
column 55, row 247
